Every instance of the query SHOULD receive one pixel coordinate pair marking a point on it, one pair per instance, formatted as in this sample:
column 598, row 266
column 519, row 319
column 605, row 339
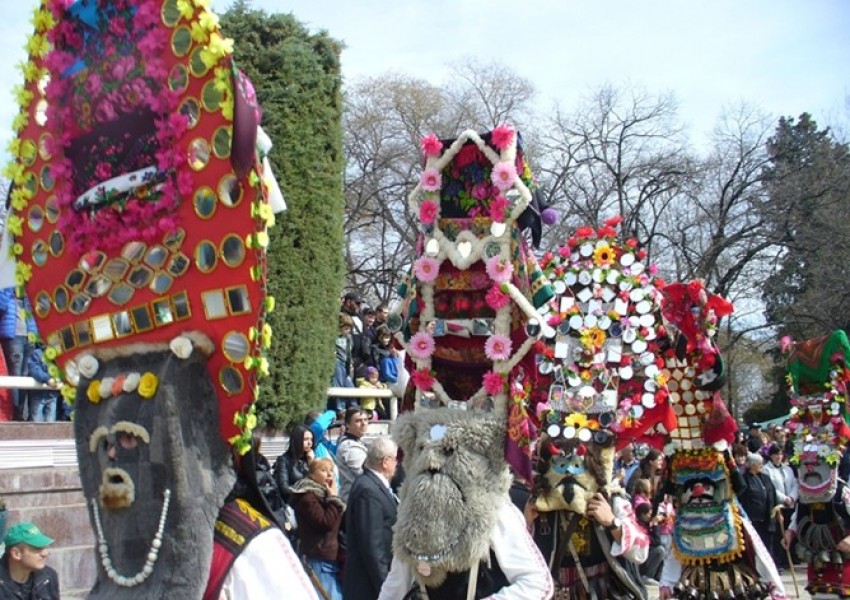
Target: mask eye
column 448, row 451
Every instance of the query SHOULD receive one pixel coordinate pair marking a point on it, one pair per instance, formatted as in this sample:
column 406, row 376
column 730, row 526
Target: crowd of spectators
column 365, row 355
column 23, row 357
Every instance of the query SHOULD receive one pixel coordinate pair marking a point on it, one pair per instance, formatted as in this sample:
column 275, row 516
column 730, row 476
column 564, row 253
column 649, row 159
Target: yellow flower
column 22, row 95
column 93, row 392
column 30, row 71
column 205, row 4
column 147, row 385
column 69, row 393
column 15, row 225
column 37, row 45
column 13, row 170
column 227, row 108
column 251, row 422
column 50, row 353
column 267, row 336
column 208, row 20
column 217, row 48
column 264, row 366
column 199, row 33
column 603, row 256
column 577, row 420
column 20, row 121
column 23, row 272
column 270, row 303
column 593, row 338
column 43, row 20
column 18, row 249
column 14, row 147
column 185, row 8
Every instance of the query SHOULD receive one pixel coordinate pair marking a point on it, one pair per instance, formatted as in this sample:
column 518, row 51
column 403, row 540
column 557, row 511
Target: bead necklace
column 153, row 553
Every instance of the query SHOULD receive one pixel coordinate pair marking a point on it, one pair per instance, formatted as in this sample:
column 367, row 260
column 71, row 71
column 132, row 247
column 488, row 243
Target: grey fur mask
column 131, row 450
column 456, row 481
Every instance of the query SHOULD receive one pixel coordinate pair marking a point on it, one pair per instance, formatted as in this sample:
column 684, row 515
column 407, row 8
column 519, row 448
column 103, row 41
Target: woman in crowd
column 651, row 467
column 293, row 465
column 758, row 498
column 318, row 511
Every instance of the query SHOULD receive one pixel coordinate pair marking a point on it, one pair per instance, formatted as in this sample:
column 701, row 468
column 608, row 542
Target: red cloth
column 7, row 411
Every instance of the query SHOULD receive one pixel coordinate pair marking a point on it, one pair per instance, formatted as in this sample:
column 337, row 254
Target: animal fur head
column 456, row 481
column 131, row 449
column 571, row 472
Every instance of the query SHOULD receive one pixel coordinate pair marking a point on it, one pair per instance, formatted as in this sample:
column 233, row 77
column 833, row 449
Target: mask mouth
column 435, row 556
column 117, row 489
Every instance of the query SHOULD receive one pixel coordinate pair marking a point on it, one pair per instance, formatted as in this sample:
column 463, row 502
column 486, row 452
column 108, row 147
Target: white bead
column 157, row 544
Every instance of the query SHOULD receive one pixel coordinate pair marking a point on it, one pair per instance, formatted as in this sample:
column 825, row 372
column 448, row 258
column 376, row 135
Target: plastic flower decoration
column 431, row 180
column 423, row 379
column 494, row 383
column 421, row 345
column 496, row 298
column 426, row 269
column 603, row 256
column 503, row 175
column 428, row 212
column 498, row 347
column 503, row 136
column 431, row 146
column 498, row 270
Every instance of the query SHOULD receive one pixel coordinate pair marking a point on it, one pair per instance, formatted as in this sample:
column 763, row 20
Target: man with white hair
column 369, row 519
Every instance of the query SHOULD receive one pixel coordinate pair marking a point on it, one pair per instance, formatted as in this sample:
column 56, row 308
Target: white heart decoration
column 464, row 248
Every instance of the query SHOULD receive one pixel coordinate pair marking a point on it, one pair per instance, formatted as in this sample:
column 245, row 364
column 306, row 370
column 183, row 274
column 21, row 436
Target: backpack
column 388, row 369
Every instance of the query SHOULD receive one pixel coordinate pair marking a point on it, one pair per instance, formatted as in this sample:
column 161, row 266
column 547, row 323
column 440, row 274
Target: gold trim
column 237, row 372
column 241, row 242
column 141, row 308
column 214, row 264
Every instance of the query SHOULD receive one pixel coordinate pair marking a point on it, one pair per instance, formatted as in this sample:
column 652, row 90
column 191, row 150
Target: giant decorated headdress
column 474, row 283
column 601, row 366
column 818, row 378
column 139, row 212
column 141, row 201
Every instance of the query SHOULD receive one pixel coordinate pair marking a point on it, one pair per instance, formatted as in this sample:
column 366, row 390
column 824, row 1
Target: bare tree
column 621, row 153
column 385, row 118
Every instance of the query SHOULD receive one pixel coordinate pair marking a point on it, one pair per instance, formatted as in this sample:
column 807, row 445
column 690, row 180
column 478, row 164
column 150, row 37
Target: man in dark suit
column 369, row 520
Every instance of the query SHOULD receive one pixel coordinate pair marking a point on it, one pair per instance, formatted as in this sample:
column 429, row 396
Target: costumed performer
column 144, row 216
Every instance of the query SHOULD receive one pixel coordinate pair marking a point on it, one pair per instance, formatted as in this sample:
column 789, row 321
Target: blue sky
column 784, row 56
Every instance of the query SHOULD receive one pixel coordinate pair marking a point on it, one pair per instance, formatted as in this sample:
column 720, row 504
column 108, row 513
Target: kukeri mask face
column 154, row 471
column 456, row 480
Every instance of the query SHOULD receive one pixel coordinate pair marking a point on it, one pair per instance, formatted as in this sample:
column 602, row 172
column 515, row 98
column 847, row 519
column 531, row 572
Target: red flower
column 423, row 379
column 584, row 232
column 614, row 221
column 607, row 232
column 632, row 243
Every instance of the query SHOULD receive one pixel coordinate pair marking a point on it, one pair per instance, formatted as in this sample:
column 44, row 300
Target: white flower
column 88, row 365
column 106, row 387
column 181, row 346
column 131, row 383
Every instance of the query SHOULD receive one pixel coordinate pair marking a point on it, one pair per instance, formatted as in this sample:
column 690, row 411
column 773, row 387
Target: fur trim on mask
column 200, row 341
column 456, row 480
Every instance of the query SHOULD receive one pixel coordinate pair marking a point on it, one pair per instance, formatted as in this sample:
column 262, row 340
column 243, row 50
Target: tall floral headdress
column 603, row 351
column 141, row 191
column 474, row 281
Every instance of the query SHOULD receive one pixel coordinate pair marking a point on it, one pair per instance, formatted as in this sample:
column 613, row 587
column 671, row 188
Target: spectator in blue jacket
column 16, row 323
column 42, row 403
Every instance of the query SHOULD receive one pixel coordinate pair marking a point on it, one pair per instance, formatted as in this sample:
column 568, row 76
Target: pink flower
column 481, row 191
column 431, row 180
column 431, row 146
column 499, row 270
column 503, row 136
column 494, row 382
column 422, row 379
column 503, row 175
column 498, row 347
column 421, row 345
column 498, row 207
column 496, row 298
column 122, row 67
column 428, row 212
column 426, row 269
column 785, row 343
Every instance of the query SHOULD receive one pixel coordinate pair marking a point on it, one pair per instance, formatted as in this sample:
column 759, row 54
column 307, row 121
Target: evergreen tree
column 808, row 183
column 298, row 82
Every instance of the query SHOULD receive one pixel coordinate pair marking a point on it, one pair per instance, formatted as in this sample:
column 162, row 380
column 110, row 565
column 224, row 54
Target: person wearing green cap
column 24, row 574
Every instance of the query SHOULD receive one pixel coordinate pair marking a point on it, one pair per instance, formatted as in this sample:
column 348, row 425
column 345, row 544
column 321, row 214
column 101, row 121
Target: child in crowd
column 42, row 403
column 650, row 570
column 665, row 516
column 374, row 407
column 643, row 489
